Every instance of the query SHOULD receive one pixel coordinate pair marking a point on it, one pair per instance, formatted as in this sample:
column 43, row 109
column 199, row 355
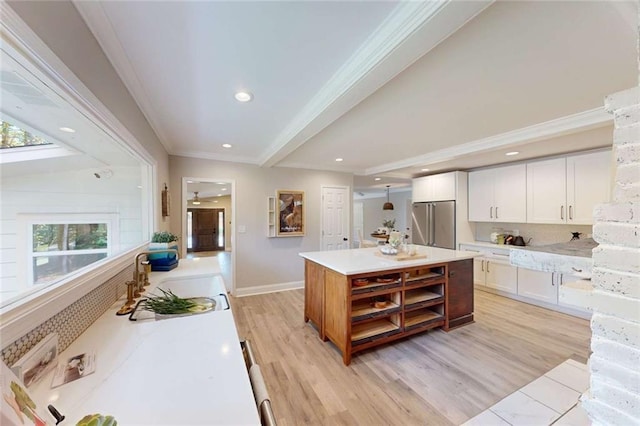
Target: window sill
column 24, row 315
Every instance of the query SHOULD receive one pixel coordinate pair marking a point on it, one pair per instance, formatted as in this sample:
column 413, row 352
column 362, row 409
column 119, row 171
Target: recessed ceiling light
column 512, row 153
column 189, row 181
column 424, row 170
column 215, row 201
column 223, row 189
column 226, row 145
column 243, row 96
column 219, row 195
column 376, row 179
column 339, row 159
column 67, row 129
column 221, row 183
column 139, row 186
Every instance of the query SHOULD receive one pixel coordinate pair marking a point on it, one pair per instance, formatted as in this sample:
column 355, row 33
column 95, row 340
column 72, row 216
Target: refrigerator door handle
column 433, row 225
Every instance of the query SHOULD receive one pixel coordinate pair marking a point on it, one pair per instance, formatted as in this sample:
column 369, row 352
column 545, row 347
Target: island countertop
column 364, row 260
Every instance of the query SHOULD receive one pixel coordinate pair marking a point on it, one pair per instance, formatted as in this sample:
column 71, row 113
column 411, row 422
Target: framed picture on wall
column 291, row 213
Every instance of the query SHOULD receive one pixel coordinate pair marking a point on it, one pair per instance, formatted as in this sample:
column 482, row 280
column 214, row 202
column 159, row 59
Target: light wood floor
column 434, row 378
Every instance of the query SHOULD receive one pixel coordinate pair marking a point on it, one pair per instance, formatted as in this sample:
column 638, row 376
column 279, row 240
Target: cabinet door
column 501, row 276
column 478, row 271
column 421, row 189
column 460, row 292
column 481, row 196
column 588, row 184
column 538, row 285
column 510, row 194
column 546, row 191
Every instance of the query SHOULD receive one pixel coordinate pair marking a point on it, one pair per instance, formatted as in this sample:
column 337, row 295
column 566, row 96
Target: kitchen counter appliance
column 434, row 224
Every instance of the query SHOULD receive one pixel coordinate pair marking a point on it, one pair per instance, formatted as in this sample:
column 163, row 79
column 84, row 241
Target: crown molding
column 569, row 124
column 100, row 26
column 376, row 62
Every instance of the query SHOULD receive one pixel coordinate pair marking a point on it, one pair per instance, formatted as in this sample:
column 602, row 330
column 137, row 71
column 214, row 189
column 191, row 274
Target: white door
column 335, row 218
column 537, row 285
column 588, row 184
column 478, row 271
column 481, row 196
column 510, row 194
column 501, row 276
column 546, row 191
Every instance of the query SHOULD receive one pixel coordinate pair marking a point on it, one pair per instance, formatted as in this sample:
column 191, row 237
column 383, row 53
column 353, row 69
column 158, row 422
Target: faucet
column 140, row 280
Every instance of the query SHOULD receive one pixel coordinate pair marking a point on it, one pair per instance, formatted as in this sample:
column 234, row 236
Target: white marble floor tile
column 486, row 418
column 577, row 364
column 522, row 410
column 552, row 394
column 571, row 376
column 574, row 417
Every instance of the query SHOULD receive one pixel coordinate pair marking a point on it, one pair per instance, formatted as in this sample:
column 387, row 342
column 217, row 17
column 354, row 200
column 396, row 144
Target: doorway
column 208, row 214
column 205, row 230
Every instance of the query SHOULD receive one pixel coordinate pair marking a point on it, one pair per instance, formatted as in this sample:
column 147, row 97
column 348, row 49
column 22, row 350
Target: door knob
column 345, row 239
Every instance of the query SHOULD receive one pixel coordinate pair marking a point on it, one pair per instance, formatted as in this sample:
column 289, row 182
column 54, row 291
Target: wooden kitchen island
column 360, row 298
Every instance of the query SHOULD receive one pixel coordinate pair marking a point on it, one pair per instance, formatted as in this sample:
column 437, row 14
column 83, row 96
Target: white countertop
column 181, row 371
column 364, row 260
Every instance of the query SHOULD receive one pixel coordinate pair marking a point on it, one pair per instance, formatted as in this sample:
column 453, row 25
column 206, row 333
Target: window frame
column 26, row 254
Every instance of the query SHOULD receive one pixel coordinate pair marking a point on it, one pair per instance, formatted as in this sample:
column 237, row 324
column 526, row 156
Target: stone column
column 614, row 396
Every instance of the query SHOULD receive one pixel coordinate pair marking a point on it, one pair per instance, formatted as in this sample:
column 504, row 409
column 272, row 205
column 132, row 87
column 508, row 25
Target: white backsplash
column 541, row 234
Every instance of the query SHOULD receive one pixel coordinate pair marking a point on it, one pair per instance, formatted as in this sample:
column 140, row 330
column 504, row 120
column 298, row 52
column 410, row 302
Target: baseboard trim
column 271, row 288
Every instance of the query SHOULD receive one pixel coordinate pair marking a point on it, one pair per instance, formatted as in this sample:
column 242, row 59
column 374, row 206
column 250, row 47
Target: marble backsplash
column 541, row 234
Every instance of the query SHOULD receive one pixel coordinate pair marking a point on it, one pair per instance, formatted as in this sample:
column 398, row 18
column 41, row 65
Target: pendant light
column 388, row 205
column 196, row 200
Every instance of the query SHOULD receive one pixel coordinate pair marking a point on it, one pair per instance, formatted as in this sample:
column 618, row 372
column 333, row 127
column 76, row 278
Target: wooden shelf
column 419, row 295
column 366, row 291
column 363, row 309
column 374, row 328
column 415, row 318
column 427, row 276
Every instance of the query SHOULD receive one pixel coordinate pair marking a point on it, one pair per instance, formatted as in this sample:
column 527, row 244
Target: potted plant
column 163, row 240
column 389, row 224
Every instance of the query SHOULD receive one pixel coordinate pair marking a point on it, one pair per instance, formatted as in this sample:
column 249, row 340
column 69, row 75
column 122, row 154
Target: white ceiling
column 391, row 87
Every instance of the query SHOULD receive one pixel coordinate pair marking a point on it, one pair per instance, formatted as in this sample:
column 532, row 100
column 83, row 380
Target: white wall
column 374, row 215
column 76, row 191
column 261, row 260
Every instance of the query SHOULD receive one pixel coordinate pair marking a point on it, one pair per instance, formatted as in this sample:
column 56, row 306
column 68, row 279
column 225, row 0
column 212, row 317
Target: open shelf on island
column 421, row 296
column 362, row 333
column 365, row 309
column 421, row 317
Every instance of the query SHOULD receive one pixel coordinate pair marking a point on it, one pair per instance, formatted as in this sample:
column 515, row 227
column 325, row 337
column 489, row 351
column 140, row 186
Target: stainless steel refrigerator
column 434, row 224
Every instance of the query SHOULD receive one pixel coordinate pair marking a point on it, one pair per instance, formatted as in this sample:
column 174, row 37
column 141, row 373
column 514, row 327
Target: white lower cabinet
column 495, row 273
column 538, row 285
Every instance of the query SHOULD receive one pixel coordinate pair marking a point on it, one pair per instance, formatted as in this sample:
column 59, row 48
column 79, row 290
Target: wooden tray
column 401, row 256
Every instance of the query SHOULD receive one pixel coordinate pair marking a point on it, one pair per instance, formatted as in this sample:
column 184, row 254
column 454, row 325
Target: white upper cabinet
column 588, row 184
column 565, row 190
column 440, row 187
column 546, row 191
column 498, row 195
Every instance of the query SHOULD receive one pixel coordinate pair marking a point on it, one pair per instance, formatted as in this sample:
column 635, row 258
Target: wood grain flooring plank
column 432, row 378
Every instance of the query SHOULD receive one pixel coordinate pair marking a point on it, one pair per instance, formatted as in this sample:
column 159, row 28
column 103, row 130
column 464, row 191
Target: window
column 58, row 245
column 14, row 137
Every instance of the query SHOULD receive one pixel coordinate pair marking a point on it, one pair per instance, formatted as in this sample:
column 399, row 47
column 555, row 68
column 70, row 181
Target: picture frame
column 290, row 206
column 36, row 363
